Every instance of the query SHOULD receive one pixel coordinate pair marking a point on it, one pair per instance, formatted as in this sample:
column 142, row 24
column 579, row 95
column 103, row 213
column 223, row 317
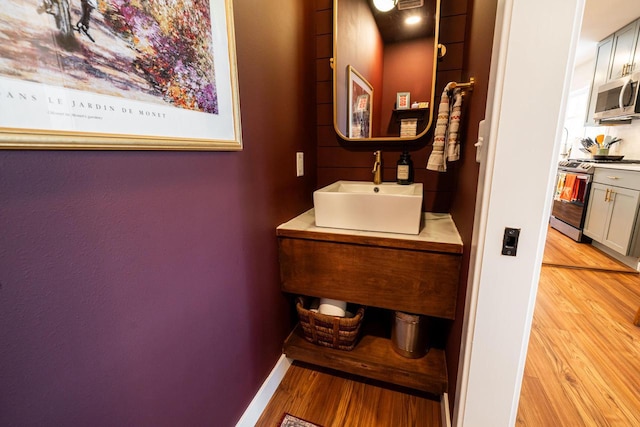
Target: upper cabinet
column 624, row 48
column 600, row 75
column 615, row 58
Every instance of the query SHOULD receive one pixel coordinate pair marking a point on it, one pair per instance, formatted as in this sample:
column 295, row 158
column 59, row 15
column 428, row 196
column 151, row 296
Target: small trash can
column 409, row 335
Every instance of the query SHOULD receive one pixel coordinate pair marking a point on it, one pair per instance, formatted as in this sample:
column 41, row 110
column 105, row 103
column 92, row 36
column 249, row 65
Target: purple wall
column 141, row 288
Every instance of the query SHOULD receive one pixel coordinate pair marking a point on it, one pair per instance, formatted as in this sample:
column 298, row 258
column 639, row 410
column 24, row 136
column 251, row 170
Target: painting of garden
column 155, row 51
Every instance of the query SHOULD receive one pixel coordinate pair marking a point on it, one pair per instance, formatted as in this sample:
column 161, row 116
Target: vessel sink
column 355, row 205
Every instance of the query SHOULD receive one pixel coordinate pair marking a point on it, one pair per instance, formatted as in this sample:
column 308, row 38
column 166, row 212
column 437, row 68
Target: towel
column 445, row 141
column 560, row 185
column 567, row 191
column 579, row 190
column 453, row 143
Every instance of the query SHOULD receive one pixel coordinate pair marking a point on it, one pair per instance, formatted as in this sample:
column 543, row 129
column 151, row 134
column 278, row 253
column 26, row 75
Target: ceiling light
column 384, row 5
column 412, row 20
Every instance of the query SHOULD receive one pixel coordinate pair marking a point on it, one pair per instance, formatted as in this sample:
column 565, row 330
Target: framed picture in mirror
column 360, row 104
column 402, row 100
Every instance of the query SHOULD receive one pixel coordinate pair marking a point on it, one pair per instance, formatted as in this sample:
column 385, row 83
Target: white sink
column 355, row 205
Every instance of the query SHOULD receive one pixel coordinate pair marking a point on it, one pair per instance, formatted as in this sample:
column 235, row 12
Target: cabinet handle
column 624, row 70
column 611, row 194
column 613, row 177
column 606, row 195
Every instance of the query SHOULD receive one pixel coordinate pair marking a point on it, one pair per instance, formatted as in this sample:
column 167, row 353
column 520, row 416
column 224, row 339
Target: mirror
column 382, row 68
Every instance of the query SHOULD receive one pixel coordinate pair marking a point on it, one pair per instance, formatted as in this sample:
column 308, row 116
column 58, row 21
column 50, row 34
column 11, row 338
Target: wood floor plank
column 562, row 251
column 332, row 399
column 529, row 415
column 583, row 362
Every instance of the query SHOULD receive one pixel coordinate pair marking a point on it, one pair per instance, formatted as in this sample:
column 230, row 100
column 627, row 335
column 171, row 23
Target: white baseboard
column 444, row 410
column 262, row 397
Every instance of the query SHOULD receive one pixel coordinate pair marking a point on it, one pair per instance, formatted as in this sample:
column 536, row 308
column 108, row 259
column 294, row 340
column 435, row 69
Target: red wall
column 361, row 47
column 142, row 288
column 411, row 58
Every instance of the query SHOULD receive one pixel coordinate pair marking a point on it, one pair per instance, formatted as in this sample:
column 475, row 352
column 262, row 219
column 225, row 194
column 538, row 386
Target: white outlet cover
column 299, row 164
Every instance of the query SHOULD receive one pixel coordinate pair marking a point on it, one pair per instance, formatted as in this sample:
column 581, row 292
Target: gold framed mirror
column 384, row 70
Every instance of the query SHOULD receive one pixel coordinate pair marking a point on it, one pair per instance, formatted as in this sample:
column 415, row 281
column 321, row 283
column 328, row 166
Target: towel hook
column 468, row 85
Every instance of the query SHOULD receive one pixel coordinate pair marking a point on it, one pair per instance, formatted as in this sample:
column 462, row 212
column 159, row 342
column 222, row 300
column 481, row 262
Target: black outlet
column 510, row 241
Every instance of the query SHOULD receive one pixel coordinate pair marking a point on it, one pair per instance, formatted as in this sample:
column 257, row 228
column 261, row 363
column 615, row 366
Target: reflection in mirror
column 377, row 57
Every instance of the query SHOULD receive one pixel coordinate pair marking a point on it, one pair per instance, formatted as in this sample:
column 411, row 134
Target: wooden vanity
column 412, row 273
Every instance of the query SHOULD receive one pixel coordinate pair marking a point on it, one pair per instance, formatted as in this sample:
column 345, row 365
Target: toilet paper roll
column 332, row 307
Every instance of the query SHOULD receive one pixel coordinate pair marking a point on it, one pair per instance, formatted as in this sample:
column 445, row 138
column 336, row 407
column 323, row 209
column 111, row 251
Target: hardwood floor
column 583, row 362
column 561, row 251
column 332, row 399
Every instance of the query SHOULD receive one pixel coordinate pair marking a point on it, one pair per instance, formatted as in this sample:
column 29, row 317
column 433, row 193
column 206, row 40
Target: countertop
column 438, row 231
column 620, row 166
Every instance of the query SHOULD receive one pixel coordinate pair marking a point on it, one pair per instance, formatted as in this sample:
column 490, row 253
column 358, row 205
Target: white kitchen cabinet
column 624, row 47
column 597, row 213
column 616, row 56
column 612, row 214
column 600, row 75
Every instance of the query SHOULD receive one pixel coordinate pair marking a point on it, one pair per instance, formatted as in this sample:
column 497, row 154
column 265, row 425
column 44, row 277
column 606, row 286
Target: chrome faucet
column 377, row 168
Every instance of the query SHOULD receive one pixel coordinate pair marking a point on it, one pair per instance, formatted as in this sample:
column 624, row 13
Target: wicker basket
column 329, row 331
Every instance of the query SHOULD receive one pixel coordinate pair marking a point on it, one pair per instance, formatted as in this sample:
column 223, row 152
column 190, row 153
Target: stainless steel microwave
column 618, row 99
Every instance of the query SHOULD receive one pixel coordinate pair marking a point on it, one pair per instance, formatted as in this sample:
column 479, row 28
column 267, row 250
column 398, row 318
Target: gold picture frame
column 154, row 78
column 360, row 108
column 403, row 101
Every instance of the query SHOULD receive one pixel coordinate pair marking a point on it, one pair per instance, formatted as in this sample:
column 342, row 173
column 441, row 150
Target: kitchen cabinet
column 624, row 47
column 600, row 75
column 413, row 273
column 616, row 56
column 612, row 215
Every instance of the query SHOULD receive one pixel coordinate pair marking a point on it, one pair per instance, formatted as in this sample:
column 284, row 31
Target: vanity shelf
column 374, row 358
column 420, row 114
column 412, row 273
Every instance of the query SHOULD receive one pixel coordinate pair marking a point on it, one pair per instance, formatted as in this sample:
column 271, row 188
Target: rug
column 289, row 420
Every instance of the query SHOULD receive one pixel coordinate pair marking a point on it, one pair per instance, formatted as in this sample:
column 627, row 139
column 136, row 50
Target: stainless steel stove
column 571, row 196
column 573, row 184
column 577, row 166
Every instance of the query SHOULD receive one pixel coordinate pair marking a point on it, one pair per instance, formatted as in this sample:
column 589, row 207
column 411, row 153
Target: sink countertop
column 437, row 228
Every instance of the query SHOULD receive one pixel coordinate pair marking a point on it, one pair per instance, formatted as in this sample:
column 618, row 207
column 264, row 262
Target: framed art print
column 116, row 74
column 360, row 104
column 402, row 100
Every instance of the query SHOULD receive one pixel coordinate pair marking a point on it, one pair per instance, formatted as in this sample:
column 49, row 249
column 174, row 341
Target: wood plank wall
column 338, row 160
column 467, row 31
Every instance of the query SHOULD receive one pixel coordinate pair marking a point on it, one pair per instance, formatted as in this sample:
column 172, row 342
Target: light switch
column 299, row 164
column 510, row 241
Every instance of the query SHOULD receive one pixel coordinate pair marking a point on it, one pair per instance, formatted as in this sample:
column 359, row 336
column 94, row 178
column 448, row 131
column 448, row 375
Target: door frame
column 530, row 76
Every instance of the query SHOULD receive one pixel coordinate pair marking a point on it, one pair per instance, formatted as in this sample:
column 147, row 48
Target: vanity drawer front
column 414, row 281
column 618, row 178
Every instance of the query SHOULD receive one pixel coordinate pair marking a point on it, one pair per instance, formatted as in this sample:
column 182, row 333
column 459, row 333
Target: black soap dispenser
column 404, row 173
